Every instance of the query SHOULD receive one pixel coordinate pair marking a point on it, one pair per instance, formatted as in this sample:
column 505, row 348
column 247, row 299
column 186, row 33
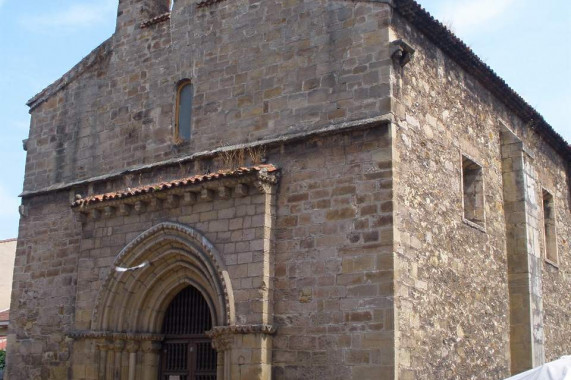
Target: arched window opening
column 187, row 352
column 184, row 110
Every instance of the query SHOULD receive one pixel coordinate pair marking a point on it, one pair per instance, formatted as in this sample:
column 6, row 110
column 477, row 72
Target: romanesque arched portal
column 148, row 276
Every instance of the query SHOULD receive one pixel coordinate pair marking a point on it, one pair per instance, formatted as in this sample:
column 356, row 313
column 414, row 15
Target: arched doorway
column 187, row 353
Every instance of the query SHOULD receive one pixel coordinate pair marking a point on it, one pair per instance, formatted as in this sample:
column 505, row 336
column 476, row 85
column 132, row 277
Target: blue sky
column 528, row 43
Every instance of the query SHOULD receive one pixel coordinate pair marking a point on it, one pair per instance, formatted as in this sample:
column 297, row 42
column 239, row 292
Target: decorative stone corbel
column 23, row 211
column 139, row 207
column 266, row 181
column 401, row 52
column 108, row 211
column 224, row 192
column 189, row 198
column 241, row 190
column 124, row 209
column 206, row 194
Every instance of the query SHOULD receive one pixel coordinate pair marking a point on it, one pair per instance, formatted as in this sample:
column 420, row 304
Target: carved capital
column 151, row 346
column 223, row 342
column 104, row 344
column 118, row 345
column 223, row 336
column 266, row 181
column 133, row 346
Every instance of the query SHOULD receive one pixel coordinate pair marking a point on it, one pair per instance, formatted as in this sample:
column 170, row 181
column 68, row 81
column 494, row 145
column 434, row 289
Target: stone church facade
column 288, row 189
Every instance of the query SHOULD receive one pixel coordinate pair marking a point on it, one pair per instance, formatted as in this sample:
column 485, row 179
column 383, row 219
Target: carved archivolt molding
column 177, row 255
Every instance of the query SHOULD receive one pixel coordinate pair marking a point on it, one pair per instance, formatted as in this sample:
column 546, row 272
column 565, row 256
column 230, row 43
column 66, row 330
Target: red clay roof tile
column 196, row 179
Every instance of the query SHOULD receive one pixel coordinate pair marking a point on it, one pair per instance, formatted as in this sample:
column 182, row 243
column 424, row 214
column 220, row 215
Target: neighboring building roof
column 4, row 316
column 8, row 240
column 429, row 26
column 194, row 180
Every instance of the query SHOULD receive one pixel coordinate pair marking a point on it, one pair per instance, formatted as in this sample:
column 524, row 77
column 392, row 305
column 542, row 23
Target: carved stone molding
column 222, row 342
column 199, row 188
column 207, row 3
column 169, row 228
column 223, row 336
column 151, row 346
column 109, row 337
column 133, row 346
column 118, row 345
column 104, row 345
column 155, row 20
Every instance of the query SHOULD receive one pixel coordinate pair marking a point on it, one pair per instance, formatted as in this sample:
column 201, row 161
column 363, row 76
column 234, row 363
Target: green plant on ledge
column 2, row 359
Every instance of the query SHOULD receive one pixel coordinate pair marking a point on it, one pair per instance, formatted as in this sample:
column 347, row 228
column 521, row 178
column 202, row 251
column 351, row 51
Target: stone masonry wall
column 259, row 69
column 332, row 261
column 334, row 265
column 452, row 296
column 43, row 292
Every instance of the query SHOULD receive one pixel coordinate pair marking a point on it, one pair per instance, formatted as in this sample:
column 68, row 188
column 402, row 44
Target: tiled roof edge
column 436, row 32
column 181, row 182
column 88, row 61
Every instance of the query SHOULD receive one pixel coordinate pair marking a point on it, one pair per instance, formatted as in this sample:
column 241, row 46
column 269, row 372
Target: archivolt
column 135, row 301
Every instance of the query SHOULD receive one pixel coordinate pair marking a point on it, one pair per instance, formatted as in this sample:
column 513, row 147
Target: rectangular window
column 473, row 191
column 549, row 228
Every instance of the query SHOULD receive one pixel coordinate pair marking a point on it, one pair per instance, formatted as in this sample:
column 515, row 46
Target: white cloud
column 466, row 16
column 75, row 16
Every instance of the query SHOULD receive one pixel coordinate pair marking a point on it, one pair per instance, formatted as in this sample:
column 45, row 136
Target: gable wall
column 259, row 69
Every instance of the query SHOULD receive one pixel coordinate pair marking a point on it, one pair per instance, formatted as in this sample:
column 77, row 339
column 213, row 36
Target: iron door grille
column 187, row 352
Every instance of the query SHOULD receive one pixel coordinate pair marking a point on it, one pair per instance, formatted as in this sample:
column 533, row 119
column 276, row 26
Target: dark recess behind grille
column 188, row 314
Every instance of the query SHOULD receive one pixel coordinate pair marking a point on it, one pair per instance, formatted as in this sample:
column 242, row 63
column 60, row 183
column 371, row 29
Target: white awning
column 559, row 369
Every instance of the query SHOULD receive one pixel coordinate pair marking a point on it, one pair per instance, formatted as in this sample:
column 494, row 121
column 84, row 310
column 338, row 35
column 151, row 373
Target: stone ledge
column 87, row 334
column 331, row 129
column 185, row 191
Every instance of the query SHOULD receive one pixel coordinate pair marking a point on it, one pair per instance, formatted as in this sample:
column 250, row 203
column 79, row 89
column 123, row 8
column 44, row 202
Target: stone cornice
column 185, row 191
column 288, row 138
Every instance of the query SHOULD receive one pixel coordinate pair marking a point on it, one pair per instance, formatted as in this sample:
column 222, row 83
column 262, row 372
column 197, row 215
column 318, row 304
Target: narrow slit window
column 549, row 228
column 184, row 111
column 473, row 191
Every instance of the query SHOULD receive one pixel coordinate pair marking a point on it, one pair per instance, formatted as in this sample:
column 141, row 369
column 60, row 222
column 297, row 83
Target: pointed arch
column 178, row 256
